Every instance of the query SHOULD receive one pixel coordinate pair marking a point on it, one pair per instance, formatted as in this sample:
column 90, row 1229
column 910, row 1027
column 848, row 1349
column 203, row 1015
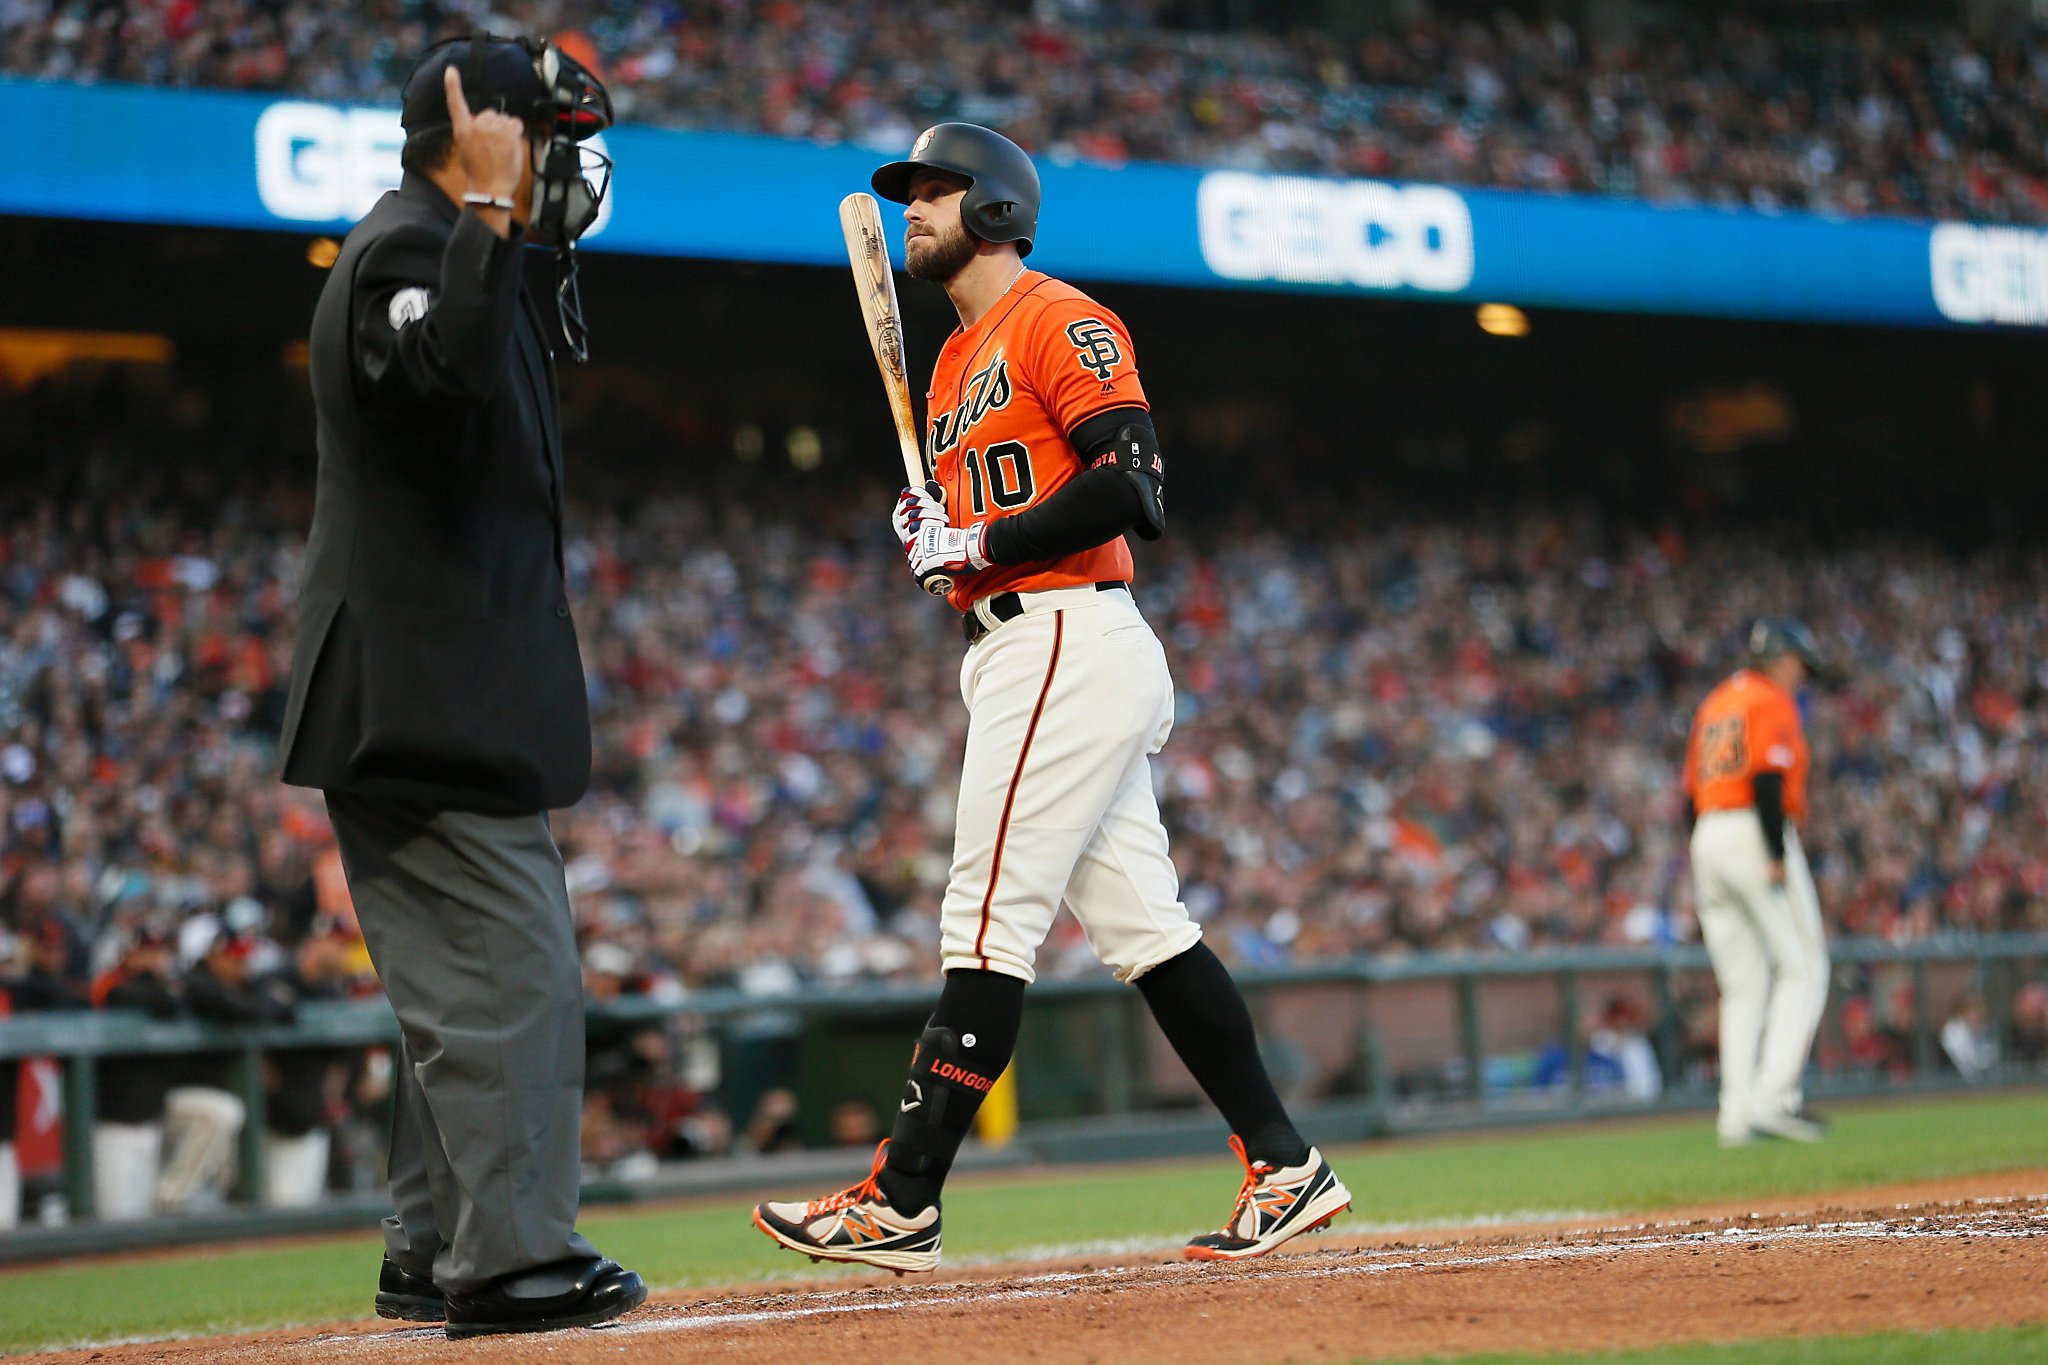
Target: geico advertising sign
column 1348, row 232
column 321, row 163
column 1989, row 274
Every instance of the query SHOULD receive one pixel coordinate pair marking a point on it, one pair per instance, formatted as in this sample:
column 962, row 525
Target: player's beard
column 945, row 255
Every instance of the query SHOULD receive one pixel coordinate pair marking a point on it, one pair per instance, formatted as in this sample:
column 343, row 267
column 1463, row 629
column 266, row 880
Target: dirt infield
column 1957, row 1254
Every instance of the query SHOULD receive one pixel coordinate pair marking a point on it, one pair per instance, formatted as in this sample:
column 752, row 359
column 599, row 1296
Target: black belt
column 1008, row 606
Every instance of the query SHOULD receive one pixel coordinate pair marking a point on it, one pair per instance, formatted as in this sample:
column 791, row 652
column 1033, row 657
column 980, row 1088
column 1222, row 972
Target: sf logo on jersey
column 1095, row 346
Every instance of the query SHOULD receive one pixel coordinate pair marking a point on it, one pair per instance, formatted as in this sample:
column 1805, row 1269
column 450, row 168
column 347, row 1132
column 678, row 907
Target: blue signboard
column 253, row 161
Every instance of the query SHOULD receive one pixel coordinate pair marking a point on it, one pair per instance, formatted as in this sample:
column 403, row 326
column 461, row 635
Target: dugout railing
column 1361, row 1047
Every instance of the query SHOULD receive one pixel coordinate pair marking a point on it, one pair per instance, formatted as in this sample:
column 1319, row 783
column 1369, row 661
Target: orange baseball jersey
column 1006, row 396
column 1746, row 726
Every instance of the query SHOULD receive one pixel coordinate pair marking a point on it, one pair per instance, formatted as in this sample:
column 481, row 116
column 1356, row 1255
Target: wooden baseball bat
column 874, row 279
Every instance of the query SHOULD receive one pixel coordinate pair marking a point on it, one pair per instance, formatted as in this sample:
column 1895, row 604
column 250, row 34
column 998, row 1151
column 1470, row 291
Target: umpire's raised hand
column 492, row 150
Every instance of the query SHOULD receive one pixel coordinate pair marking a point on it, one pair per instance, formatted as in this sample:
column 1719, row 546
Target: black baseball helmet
column 1002, row 194
column 1772, row 636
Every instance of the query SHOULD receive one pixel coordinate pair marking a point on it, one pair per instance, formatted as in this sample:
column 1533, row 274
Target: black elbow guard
column 1133, row 447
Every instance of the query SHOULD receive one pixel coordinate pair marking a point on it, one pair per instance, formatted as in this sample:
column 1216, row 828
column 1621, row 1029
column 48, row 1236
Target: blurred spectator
column 51, row 973
column 854, row 1124
column 203, row 1117
column 1619, row 1057
column 1395, row 735
column 2030, row 1024
column 774, row 1127
column 1392, row 737
column 1876, row 1024
column 365, row 1123
column 1848, row 115
column 127, row 1140
column 1618, row 1052
column 1966, row 1039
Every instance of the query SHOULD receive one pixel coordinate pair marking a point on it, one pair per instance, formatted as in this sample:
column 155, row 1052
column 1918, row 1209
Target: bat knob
column 938, row 585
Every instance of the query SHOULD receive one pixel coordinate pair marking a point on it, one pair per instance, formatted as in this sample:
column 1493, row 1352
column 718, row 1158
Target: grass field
column 1626, row 1167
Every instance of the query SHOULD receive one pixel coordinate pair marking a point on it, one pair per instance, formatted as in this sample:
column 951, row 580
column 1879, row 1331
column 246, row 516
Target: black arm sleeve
column 1770, row 811
column 1692, row 815
column 453, row 342
column 1121, row 491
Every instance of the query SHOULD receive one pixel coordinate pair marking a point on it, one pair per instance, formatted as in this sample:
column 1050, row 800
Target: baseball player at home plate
column 1042, row 456
column 1745, row 787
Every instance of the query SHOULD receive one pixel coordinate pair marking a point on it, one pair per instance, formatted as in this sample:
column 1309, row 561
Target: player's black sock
column 1202, row 1014
column 964, row 1049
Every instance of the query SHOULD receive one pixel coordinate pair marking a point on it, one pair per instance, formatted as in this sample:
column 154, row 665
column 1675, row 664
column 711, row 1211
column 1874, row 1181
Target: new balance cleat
column 1272, row 1206
column 857, row 1225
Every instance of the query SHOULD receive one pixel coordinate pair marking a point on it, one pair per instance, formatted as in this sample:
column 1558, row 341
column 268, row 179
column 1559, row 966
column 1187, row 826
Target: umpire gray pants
column 467, row 919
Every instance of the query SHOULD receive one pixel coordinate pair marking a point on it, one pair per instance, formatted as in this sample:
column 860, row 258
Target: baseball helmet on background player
column 1775, row 635
column 1001, row 204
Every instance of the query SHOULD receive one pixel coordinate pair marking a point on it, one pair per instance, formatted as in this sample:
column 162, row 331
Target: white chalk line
column 1142, row 1246
column 1117, row 1279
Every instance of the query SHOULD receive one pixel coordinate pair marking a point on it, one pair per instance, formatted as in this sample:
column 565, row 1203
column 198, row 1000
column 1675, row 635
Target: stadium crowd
column 1392, row 737
column 1843, row 115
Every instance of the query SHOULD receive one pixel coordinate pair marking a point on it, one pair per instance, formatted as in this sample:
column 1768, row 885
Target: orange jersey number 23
column 1746, row 726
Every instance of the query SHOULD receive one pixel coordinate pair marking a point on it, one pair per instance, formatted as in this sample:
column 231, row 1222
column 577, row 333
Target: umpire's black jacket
column 436, row 660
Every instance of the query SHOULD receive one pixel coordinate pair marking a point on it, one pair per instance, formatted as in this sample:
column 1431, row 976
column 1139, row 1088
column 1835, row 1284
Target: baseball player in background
column 1042, row 455
column 1745, row 786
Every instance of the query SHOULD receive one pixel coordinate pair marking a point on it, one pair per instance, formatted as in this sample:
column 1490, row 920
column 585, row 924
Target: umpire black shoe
column 408, row 1297
column 580, row 1293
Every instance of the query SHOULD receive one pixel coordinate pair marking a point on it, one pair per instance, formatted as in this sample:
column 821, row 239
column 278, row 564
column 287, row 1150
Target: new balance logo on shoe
column 856, row 1224
column 1273, row 1206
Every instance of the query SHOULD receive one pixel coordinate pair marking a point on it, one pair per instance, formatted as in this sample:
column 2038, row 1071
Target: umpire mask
column 561, row 101
column 570, row 183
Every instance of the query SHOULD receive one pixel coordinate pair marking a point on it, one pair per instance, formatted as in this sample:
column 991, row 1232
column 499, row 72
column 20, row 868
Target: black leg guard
column 962, row 1052
column 1202, row 1014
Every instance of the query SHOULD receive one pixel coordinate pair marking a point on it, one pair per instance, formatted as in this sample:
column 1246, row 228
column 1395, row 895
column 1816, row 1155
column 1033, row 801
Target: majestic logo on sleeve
column 989, row 390
column 408, row 305
column 1095, row 347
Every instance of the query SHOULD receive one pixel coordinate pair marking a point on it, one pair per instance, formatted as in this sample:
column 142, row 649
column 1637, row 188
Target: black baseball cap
column 507, row 74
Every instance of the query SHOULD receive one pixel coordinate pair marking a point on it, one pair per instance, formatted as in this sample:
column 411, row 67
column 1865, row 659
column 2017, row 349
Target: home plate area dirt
column 1963, row 1254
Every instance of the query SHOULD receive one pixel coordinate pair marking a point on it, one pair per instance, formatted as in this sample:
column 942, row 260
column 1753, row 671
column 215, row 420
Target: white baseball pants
column 1066, row 704
column 1770, row 960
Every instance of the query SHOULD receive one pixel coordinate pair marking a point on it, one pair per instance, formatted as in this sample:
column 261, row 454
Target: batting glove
column 915, row 508
column 950, row 550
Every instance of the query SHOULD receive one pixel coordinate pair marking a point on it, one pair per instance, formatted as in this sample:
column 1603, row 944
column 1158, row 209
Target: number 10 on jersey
column 999, row 476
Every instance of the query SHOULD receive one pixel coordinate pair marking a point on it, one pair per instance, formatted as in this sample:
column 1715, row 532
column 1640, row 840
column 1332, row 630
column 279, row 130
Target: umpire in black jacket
column 437, row 694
